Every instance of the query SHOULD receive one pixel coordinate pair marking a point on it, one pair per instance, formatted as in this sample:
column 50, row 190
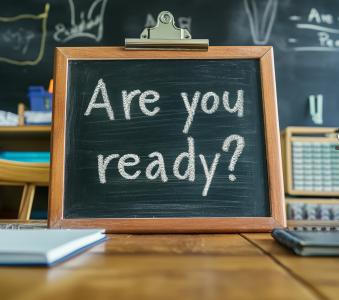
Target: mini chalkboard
column 166, row 141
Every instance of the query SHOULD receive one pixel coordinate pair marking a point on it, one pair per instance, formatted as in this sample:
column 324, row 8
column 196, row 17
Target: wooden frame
column 169, row 225
column 303, row 134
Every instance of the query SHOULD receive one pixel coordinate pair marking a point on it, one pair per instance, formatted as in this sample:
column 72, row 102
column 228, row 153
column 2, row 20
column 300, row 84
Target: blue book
column 45, row 247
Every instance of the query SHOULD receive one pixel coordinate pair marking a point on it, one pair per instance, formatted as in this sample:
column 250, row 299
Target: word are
column 209, row 103
column 183, row 168
column 316, row 17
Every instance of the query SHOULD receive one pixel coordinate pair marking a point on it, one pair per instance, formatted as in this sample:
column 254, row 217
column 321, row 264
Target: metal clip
column 166, row 36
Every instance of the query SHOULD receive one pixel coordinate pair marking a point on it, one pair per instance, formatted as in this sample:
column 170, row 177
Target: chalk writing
column 191, row 108
column 261, row 24
column 17, row 40
column 240, row 147
column 90, row 25
column 20, row 39
column 184, row 161
column 93, row 104
column 184, row 164
column 325, row 28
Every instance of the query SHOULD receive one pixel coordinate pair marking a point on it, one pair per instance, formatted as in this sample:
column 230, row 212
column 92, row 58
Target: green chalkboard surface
column 165, row 138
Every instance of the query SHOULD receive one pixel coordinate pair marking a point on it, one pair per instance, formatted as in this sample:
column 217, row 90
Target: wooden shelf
column 313, row 200
column 25, row 129
column 25, row 138
column 25, row 223
column 306, row 223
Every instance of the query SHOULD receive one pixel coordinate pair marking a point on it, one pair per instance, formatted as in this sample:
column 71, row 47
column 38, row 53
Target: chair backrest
column 22, row 172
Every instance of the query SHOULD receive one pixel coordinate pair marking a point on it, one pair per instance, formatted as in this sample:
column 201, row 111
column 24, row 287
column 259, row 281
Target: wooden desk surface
column 247, row 266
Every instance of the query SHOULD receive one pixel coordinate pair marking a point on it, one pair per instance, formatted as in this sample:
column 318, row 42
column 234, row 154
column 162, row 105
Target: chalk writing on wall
column 261, row 20
column 88, row 24
column 322, row 29
column 19, row 37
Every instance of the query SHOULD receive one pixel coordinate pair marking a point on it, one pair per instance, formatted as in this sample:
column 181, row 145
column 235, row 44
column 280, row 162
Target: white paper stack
column 44, row 246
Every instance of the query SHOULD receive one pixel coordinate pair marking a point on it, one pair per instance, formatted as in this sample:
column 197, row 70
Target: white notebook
column 44, row 246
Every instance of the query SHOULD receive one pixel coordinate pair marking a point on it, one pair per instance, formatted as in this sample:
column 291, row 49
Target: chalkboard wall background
column 303, row 34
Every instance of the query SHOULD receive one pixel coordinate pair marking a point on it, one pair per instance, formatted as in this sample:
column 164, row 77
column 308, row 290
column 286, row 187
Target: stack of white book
column 44, row 246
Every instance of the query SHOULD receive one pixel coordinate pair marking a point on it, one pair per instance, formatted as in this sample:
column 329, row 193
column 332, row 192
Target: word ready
column 128, row 164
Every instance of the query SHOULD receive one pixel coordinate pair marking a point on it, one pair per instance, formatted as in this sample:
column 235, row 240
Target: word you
column 183, row 167
column 90, row 25
column 209, row 103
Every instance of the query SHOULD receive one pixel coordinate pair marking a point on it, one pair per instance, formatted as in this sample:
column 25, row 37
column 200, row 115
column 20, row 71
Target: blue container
column 39, row 98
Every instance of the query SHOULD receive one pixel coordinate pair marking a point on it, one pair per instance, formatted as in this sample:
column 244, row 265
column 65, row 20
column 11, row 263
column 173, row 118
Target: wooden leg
column 26, row 202
column 23, row 197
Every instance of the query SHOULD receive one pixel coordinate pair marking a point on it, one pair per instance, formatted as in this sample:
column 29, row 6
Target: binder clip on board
column 166, row 36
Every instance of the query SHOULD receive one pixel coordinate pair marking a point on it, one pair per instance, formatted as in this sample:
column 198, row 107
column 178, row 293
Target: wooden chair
column 29, row 175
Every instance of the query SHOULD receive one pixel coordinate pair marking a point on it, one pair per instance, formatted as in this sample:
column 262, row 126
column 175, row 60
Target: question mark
column 240, row 147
